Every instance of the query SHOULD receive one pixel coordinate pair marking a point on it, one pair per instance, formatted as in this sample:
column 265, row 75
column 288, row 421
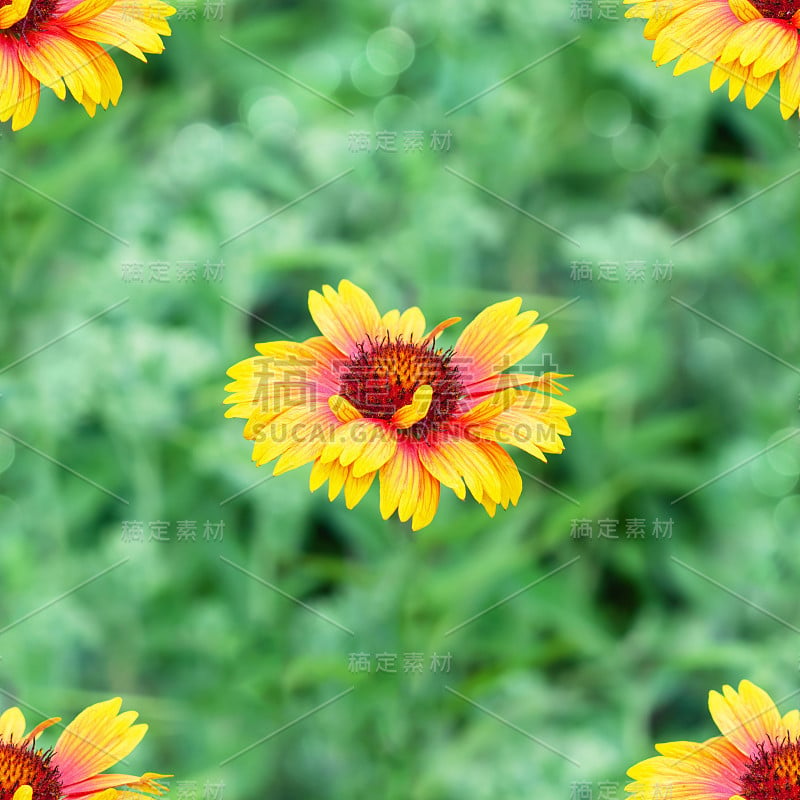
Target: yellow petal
column 416, row 410
column 365, row 444
column 336, row 479
column 744, row 10
column 19, row 90
column 489, row 408
column 95, row 740
column 471, row 463
column 23, row 793
column 347, row 317
column 427, row 501
column 12, row 725
column 343, row 409
column 755, row 88
column 767, row 44
column 64, row 56
column 534, row 424
column 13, row 13
column 297, row 424
column 708, row 35
column 440, row 467
column 439, row 328
column 506, row 469
column 356, row 487
column 85, row 10
column 41, row 727
column 133, row 27
column 698, row 35
column 376, row 453
column 495, row 340
column 408, row 326
column 790, row 86
column 397, row 482
column 747, row 718
column 791, row 724
column 319, row 474
column 298, row 454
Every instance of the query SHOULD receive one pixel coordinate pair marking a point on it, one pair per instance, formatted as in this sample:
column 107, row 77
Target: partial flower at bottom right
column 756, row 758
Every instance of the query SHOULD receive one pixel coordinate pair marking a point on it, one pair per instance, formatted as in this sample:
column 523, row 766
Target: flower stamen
column 24, row 766
column 39, row 13
column 773, row 773
column 777, row 9
column 383, row 379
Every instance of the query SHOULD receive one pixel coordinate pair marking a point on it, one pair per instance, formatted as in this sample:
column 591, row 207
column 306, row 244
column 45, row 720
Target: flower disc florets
column 383, row 376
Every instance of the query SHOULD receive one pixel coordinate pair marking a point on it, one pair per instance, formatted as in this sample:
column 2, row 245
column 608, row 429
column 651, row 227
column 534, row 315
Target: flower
column 374, row 395
column 95, row 740
column 749, row 43
column 56, row 43
column 756, row 758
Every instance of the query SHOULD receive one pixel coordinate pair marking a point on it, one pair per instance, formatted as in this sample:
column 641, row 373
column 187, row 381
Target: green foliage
column 598, row 661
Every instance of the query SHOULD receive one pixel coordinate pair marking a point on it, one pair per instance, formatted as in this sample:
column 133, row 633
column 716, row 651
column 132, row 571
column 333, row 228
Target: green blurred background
column 619, row 160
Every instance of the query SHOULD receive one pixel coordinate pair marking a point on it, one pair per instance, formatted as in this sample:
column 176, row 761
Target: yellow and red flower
column 374, row 395
column 95, row 740
column 749, row 43
column 756, row 758
column 56, row 43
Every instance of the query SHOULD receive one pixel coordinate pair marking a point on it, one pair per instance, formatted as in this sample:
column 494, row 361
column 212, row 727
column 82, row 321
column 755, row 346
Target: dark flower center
column 23, row 766
column 383, row 376
column 777, row 9
column 773, row 773
column 38, row 15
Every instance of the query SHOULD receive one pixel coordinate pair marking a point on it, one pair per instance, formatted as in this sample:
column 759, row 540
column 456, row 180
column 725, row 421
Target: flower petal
column 102, row 782
column 12, row 725
column 708, row 37
column 416, row 410
column 410, row 325
column 366, row 444
column 767, row 44
column 84, row 11
column 471, row 463
column 343, row 409
column 347, row 318
column 495, row 340
column 689, row 771
column 285, row 374
column 744, row 10
column 497, row 383
column 489, row 408
column 437, row 463
column 132, row 26
column 658, row 13
column 790, row 86
column 756, row 87
column 19, row 90
column 355, row 487
column 791, row 724
column 408, row 487
column 13, row 13
column 95, row 740
column 439, row 328
column 300, row 430
column 686, row 33
column 57, row 59
column 506, row 469
column 533, row 423
column 747, row 718
column 42, row 726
